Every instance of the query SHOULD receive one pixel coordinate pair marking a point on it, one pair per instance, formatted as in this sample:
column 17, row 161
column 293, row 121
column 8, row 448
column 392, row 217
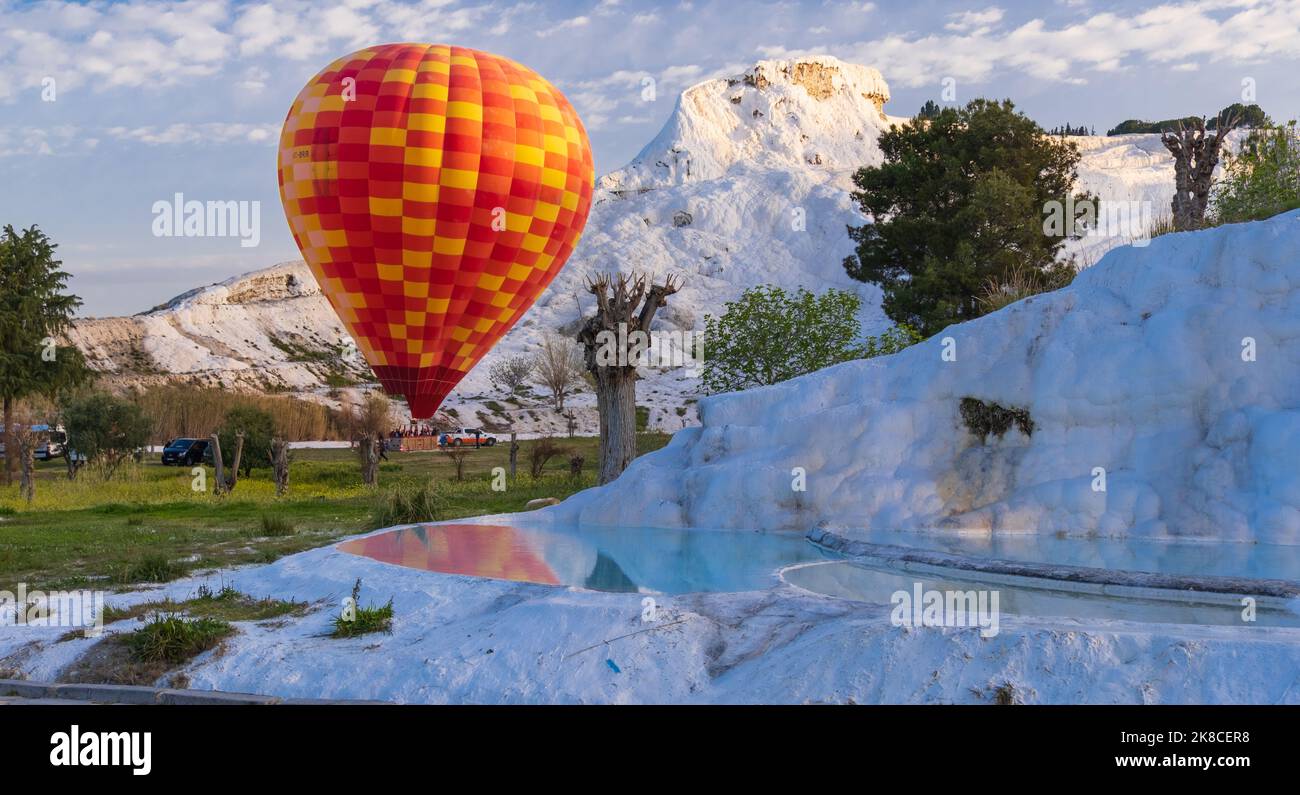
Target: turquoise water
column 662, row 561
column 624, row 559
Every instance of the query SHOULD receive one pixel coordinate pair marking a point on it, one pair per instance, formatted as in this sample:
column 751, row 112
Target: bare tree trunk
column 11, row 452
column 234, row 465
column 616, row 402
column 27, row 463
column 368, row 448
column 514, row 455
column 219, row 486
column 225, row 485
column 280, row 465
column 1196, row 155
column 70, row 460
column 613, row 341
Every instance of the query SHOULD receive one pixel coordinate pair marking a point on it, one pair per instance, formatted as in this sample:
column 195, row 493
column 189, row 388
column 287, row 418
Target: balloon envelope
column 434, row 191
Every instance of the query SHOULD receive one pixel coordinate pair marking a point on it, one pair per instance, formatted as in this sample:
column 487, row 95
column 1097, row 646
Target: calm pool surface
column 1172, row 556
column 873, row 584
column 620, row 559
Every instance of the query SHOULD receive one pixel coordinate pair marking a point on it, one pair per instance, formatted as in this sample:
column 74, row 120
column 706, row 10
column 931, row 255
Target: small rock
column 540, row 502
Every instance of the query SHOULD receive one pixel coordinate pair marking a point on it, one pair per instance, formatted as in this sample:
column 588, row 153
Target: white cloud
column 24, row 141
column 1219, row 30
column 206, row 133
column 970, row 20
column 568, row 24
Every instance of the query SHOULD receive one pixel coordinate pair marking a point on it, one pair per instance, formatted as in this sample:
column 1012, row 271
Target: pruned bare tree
column 542, row 451
column 458, row 456
column 559, row 367
column 613, row 341
column 280, row 457
column 372, row 425
column 26, row 441
column 224, row 484
column 511, row 373
column 1196, row 155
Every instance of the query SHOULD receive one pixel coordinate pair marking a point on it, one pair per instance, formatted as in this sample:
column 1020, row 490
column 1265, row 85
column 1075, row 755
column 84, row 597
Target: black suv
column 185, row 452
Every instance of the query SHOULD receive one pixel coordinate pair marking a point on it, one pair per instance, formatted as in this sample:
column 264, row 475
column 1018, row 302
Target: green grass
column 226, row 604
column 174, row 639
column 152, row 568
column 408, row 505
column 148, row 525
column 275, row 526
column 363, row 620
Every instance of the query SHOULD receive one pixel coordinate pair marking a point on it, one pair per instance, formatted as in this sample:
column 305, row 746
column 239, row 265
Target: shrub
column 174, row 639
column 543, row 450
column 105, row 429
column 458, row 456
column 273, row 525
column 1262, row 179
column 357, row 620
column 1021, row 283
column 153, row 568
column 258, row 427
column 408, row 505
column 768, row 336
column 204, row 593
column 891, row 341
column 990, row 418
column 511, row 373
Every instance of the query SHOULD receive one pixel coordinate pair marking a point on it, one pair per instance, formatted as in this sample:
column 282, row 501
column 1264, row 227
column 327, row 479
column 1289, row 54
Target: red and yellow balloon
column 435, row 191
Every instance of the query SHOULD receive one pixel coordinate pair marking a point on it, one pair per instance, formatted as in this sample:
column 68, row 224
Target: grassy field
column 148, row 524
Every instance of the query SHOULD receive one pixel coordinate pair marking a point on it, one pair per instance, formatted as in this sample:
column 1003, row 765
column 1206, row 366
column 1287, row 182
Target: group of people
column 411, row 431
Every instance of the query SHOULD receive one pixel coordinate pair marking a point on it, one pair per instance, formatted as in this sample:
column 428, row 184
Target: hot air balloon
column 435, row 191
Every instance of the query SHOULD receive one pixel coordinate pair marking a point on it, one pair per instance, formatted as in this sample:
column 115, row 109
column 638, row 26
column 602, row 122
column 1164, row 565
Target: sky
column 109, row 107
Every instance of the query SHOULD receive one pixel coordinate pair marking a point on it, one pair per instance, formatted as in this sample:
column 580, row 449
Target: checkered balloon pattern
column 435, row 191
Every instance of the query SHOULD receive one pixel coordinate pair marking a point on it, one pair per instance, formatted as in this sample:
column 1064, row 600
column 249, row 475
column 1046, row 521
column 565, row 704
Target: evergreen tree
column 957, row 203
column 929, row 110
column 35, row 309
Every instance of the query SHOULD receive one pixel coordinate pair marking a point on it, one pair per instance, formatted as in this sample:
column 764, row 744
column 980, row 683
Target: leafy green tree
column 1262, row 179
column 1252, row 116
column 259, row 429
column 104, row 428
column 957, row 202
column 891, row 341
column 769, row 336
column 35, row 310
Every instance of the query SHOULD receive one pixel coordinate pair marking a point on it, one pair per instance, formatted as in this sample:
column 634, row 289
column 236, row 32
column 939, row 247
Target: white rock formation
column 1174, row 367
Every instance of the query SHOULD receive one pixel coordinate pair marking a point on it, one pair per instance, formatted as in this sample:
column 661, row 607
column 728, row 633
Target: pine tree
column 957, row 203
column 34, row 310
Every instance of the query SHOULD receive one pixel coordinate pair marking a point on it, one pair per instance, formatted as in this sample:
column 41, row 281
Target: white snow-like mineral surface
column 1163, row 387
